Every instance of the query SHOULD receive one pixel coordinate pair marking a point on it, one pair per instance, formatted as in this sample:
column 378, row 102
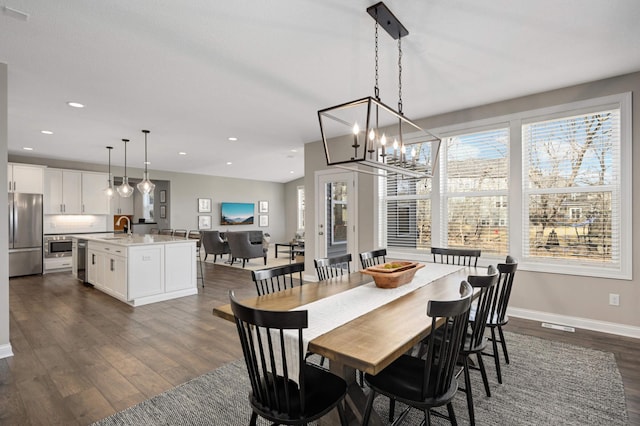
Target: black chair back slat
column 279, row 278
column 372, row 258
column 331, row 267
column 454, row 256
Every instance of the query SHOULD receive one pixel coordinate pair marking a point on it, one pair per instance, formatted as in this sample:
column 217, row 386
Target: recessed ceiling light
column 26, row 148
column 229, row 163
column 291, row 171
column 182, row 153
column 75, row 104
column 233, row 139
column 294, row 150
column 46, row 132
column 147, row 163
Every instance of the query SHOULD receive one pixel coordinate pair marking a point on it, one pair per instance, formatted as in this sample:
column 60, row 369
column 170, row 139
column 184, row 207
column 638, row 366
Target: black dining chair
column 454, row 256
column 331, row 267
column 270, row 280
column 498, row 317
column 275, row 395
column 429, row 382
column 373, row 257
column 166, row 232
column 475, row 342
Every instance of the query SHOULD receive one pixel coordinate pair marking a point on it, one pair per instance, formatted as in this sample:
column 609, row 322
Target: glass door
column 336, row 211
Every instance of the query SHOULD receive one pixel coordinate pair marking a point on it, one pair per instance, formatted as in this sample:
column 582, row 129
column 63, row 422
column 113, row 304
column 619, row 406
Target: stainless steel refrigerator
column 25, row 234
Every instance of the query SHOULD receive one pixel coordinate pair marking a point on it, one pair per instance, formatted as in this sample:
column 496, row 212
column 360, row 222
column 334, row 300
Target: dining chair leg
column 483, row 372
column 504, row 344
column 452, row 415
column 427, row 417
column 254, row 419
column 467, row 385
column 368, row 408
column 496, row 355
column 392, row 409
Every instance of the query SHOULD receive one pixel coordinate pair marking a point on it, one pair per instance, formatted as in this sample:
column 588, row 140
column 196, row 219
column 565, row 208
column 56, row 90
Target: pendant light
column 146, row 186
column 125, row 190
column 109, row 190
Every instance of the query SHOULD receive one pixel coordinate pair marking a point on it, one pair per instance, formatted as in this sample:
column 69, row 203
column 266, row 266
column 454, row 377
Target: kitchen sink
column 114, row 238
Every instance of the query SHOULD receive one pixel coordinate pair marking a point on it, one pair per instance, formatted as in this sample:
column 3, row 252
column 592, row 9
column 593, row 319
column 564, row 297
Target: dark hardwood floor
column 80, row 355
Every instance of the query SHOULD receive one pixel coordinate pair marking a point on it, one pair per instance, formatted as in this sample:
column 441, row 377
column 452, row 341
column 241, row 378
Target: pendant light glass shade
column 109, row 189
column 146, row 186
column 125, row 190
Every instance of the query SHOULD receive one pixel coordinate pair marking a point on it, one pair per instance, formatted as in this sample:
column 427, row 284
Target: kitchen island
column 141, row 269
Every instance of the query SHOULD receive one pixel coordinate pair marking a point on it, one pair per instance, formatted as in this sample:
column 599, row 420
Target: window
column 300, row 209
column 571, row 188
column 551, row 187
column 406, row 205
column 474, row 181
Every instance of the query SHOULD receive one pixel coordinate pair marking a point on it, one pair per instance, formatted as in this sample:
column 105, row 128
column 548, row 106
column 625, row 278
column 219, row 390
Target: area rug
column 547, row 383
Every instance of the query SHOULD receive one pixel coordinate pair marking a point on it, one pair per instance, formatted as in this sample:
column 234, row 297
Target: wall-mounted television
column 236, row 213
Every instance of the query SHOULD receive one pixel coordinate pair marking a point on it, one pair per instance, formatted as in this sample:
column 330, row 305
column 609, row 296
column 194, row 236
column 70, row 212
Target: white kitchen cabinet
column 25, row 178
column 146, row 265
column 180, row 271
column 107, row 269
column 94, row 201
column 121, row 205
column 63, row 191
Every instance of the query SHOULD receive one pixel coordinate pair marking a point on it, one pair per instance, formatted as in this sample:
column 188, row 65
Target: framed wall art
column 204, row 222
column 264, row 220
column 163, row 196
column 204, row 205
column 163, row 212
column 263, row 207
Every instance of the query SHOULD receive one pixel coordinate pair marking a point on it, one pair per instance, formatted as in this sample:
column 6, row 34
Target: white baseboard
column 584, row 323
column 5, row 351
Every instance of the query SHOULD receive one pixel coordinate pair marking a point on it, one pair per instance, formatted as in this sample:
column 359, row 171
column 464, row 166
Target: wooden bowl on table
column 393, row 274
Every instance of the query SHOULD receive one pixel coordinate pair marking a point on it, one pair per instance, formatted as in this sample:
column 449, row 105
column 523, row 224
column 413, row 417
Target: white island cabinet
column 142, row 269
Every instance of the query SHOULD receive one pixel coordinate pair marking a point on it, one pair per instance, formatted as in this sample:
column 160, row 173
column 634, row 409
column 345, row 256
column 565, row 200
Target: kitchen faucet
column 128, row 224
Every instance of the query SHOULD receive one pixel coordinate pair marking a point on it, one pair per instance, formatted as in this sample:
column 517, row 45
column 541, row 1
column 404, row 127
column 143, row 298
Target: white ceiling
column 198, row 72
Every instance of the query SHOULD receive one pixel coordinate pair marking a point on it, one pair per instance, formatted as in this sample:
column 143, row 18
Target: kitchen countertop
column 133, row 240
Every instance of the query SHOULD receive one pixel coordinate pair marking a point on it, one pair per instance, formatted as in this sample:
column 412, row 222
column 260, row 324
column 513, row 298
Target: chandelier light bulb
column 356, row 129
column 372, row 135
column 383, row 140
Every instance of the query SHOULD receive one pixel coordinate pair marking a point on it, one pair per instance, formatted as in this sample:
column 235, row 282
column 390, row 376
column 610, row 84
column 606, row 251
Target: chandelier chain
column 376, row 89
column 400, row 75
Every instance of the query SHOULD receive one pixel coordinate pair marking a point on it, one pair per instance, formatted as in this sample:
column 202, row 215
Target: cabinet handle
column 83, row 208
column 93, row 259
column 112, row 263
column 9, row 186
column 14, row 185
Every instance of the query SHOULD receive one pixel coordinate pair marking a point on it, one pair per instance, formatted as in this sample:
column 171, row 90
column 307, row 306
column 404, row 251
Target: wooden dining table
column 369, row 342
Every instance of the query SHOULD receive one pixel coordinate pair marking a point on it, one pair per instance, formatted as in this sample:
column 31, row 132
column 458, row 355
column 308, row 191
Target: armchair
column 213, row 244
column 241, row 247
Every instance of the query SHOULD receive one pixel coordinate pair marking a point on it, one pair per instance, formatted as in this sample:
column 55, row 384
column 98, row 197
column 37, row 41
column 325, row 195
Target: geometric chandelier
column 369, row 133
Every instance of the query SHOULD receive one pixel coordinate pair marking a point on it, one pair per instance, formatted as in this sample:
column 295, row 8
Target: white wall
column 5, row 345
column 579, row 301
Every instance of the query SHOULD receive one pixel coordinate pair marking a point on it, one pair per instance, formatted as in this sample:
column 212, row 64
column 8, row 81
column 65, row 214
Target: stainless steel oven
column 57, row 246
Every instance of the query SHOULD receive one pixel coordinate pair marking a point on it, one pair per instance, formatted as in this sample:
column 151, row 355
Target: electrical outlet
column 614, row 299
